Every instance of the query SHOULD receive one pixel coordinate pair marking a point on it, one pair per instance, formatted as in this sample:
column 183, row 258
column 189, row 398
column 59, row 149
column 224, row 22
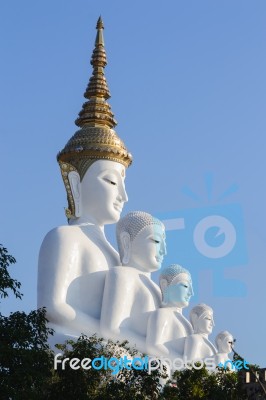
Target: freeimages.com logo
column 208, row 237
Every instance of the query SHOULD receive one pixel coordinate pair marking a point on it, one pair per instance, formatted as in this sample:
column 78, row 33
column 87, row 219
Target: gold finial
column 100, row 23
column 99, row 37
column 96, row 140
column 96, row 111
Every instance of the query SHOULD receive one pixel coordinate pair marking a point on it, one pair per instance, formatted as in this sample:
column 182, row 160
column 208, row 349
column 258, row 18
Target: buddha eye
column 186, row 286
column 156, row 241
column 110, row 181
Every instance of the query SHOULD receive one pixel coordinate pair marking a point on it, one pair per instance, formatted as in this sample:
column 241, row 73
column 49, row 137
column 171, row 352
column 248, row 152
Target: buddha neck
column 87, row 221
column 223, row 354
column 203, row 334
column 173, row 308
column 137, row 270
column 91, row 229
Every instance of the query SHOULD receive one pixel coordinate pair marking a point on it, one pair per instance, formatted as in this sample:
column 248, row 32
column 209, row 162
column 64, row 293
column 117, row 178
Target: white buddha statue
column 129, row 293
column 74, row 258
column 167, row 327
column 224, row 342
column 198, row 346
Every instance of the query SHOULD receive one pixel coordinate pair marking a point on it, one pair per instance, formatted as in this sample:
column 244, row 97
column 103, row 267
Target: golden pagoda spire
column 96, row 111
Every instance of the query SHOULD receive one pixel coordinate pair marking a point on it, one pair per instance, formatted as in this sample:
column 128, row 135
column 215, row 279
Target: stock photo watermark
column 209, row 237
column 146, row 363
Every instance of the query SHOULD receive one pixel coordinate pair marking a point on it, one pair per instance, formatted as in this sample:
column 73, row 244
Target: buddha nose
column 191, row 292
column 163, row 251
column 122, row 196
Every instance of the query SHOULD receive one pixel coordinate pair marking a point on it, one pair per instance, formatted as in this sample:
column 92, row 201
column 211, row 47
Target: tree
column 25, row 358
column 6, row 282
column 105, row 383
column 197, row 384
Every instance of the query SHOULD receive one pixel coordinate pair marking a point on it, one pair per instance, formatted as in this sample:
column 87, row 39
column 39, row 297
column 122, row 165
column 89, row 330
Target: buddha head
column 94, row 160
column 100, row 196
column 176, row 286
column 201, row 318
column 141, row 241
column 224, row 342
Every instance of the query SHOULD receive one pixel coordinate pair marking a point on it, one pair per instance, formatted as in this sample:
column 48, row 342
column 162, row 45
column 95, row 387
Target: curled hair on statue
column 133, row 223
column 170, row 273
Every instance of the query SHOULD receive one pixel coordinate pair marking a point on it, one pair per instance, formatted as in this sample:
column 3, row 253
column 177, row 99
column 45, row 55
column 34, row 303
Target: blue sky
column 188, row 87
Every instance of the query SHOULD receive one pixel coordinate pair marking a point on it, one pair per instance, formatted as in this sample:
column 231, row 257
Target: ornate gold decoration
column 65, row 169
column 96, row 140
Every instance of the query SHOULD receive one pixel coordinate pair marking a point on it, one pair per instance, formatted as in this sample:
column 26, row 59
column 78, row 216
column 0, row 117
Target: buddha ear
column 74, row 180
column 163, row 286
column 126, row 244
column 219, row 343
column 194, row 319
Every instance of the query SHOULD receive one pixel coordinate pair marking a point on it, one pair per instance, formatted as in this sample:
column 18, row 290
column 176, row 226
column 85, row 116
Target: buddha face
column 205, row 323
column 225, row 344
column 103, row 192
column 179, row 292
column 148, row 249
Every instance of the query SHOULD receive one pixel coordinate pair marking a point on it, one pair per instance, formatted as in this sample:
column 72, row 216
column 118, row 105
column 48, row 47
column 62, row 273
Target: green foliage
column 102, row 384
column 6, row 282
column 25, row 358
column 200, row 384
column 24, row 331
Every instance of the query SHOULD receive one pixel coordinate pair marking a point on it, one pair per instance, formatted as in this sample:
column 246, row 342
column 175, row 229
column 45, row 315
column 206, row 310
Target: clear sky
column 188, row 87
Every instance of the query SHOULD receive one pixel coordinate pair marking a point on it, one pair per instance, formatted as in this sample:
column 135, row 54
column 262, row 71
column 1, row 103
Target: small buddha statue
column 197, row 345
column 74, row 258
column 224, row 342
column 130, row 295
column 167, row 327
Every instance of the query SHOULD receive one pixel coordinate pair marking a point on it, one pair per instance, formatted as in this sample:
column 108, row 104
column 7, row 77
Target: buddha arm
column 59, row 263
column 157, row 333
column 118, row 318
column 118, row 298
column 192, row 346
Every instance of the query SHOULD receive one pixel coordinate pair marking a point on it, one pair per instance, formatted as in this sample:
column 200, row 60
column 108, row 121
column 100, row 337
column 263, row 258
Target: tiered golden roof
column 97, row 111
column 96, row 140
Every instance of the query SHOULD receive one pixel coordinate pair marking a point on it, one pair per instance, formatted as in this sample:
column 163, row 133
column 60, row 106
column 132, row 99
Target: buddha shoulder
column 63, row 237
